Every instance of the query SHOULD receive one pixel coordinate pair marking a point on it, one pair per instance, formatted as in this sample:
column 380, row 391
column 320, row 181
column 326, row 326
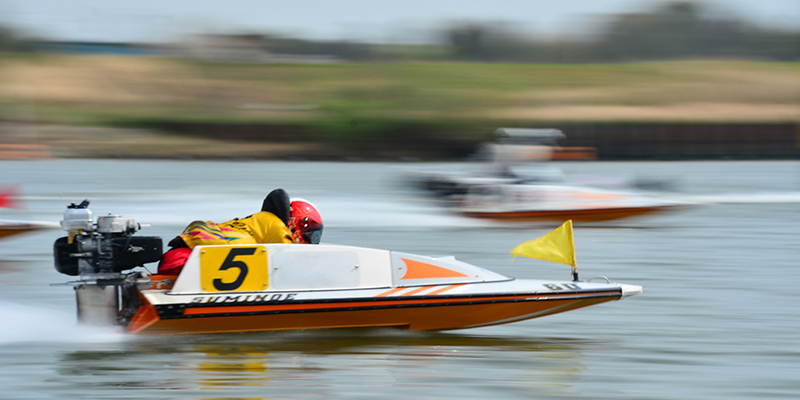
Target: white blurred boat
column 515, row 182
column 526, row 202
column 279, row 286
column 518, row 155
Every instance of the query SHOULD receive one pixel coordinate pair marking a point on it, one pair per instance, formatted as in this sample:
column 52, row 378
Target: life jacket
column 261, row 227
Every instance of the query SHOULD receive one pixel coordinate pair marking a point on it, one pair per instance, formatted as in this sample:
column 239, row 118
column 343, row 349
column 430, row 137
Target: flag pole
column 574, row 259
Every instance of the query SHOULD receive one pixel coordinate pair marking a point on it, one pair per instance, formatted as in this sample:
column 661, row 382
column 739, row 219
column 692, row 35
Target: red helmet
column 305, row 223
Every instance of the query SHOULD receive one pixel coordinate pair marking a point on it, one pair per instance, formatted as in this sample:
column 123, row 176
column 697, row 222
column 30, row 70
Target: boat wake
column 336, row 212
column 745, row 198
column 28, row 324
column 173, row 212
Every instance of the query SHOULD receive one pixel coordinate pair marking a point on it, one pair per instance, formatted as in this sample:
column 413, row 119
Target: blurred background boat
column 9, row 198
column 542, row 202
column 511, row 178
column 13, row 227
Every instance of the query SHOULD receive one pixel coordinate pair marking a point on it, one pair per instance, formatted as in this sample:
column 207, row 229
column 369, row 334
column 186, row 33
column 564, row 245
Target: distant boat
column 9, row 198
column 12, row 227
column 540, row 202
column 516, row 183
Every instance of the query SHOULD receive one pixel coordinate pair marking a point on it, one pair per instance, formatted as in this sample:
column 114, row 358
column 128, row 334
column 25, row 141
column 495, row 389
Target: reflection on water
column 255, row 365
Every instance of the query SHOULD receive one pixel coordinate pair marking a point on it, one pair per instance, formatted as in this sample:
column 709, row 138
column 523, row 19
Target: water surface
column 719, row 317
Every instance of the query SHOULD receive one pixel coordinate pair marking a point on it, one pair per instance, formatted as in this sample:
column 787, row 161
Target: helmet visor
column 312, row 235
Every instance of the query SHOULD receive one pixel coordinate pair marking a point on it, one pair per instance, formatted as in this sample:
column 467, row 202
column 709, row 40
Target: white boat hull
column 387, row 289
column 521, row 202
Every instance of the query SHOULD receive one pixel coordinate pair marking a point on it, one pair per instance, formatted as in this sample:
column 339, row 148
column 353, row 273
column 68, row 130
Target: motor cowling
column 126, row 253
column 99, row 253
column 106, row 247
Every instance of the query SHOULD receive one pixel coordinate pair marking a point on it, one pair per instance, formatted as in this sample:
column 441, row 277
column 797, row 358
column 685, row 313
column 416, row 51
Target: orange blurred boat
column 11, row 227
column 520, row 202
column 9, row 198
column 515, row 183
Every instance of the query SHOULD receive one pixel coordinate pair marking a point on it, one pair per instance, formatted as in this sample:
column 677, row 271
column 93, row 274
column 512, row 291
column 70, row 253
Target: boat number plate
column 234, row 269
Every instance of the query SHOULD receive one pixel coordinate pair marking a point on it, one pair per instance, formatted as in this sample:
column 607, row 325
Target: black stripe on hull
column 175, row 311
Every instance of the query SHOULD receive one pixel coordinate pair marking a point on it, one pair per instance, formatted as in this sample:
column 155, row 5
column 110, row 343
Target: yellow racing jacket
column 261, row 227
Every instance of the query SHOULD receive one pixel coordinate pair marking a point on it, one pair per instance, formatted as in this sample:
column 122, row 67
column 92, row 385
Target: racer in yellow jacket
column 281, row 220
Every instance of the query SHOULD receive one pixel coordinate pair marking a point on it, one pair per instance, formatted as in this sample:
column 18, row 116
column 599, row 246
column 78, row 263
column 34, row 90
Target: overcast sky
column 364, row 20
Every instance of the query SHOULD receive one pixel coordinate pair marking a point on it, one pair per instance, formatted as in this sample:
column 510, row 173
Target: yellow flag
column 557, row 246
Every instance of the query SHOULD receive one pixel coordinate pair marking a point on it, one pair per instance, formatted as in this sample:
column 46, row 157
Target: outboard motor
column 99, row 253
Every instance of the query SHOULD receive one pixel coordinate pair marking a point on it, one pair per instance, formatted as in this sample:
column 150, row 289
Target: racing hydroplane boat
column 11, row 227
column 261, row 287
column 9, row 198
column 515, row 183
column 523, row 202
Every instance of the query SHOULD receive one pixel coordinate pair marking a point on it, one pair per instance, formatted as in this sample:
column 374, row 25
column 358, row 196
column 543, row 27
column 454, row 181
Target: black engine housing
column 126, row 252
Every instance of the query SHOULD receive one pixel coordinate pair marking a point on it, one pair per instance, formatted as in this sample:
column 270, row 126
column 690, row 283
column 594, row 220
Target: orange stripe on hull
column 388, row 292
column 444, row 289
column 342, row 315
column 415, row 291
column 588, row 215
column 418, row 290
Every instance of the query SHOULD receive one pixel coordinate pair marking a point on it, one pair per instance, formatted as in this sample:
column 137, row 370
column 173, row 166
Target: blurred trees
column 11, row 41
column 340, row 49
column 674, row 31
column 678, row 30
